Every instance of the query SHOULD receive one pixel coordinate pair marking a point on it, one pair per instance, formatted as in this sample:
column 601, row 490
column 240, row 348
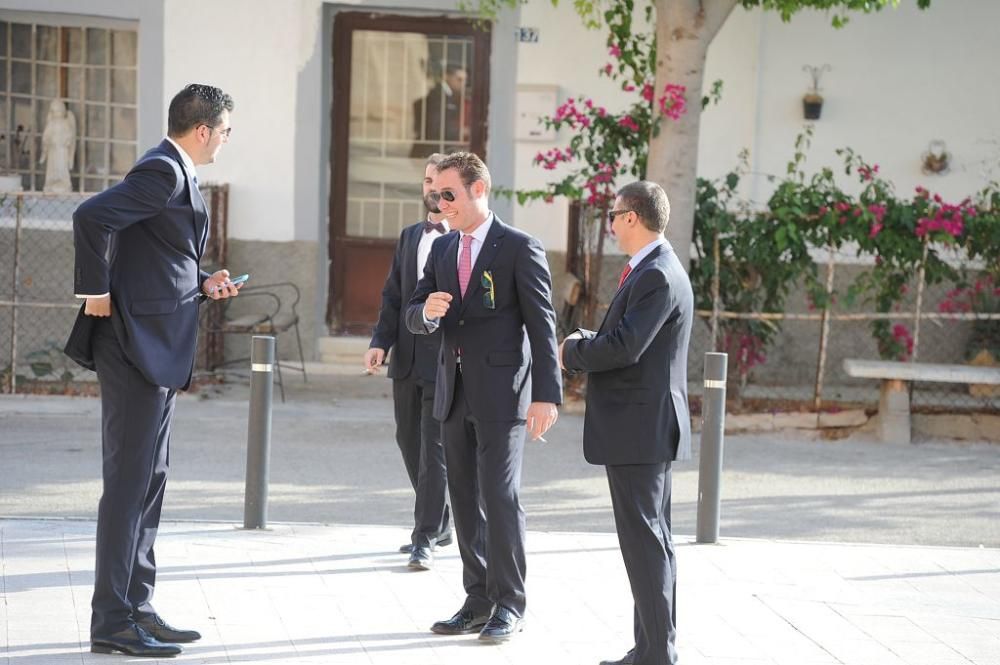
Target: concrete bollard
column 713, row 427
column 259, row 432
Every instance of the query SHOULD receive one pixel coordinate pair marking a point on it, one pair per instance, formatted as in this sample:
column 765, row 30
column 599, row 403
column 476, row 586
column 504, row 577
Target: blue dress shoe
column 443, row 541
column 164, row 632
column 133, row 641
column 463, row 623
column 420, row 558
column 501, row 626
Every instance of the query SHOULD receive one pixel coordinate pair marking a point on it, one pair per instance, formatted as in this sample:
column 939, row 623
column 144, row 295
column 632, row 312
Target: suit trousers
column 418, row 435
column 484, row 480
column 135, row 449
column 640, row 497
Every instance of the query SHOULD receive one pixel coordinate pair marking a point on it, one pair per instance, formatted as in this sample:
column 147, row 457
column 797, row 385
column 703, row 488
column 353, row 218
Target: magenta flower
column 615, row 51
column 629, row 123
column 647, row 92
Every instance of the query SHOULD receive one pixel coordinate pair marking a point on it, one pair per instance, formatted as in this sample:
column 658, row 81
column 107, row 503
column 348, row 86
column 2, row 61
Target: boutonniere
column 489, row 295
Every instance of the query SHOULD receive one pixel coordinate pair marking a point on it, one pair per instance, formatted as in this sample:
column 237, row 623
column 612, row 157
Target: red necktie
column 625, row 271
column 465, row 263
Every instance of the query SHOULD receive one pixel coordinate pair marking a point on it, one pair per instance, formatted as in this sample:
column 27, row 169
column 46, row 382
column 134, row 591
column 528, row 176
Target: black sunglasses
column 447, row 195
column 614, row 213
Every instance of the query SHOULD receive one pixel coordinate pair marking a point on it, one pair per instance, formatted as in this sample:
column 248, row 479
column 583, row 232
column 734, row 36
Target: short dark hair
column 195, row 105
column 470, row 168
column 649, row 202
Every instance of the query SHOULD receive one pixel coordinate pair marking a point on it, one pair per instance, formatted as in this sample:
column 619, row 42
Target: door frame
column 344, row 25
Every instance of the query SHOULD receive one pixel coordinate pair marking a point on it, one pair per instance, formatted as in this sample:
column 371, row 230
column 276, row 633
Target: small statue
column 58, row 147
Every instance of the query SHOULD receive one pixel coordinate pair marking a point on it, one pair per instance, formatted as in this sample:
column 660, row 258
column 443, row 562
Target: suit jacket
column 508, row 351
column 411, row 353
column 141, row 240
column 637, row 406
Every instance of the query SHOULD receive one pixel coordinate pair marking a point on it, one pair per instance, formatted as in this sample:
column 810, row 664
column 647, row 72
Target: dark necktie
column 433, row 226
column 625, row 271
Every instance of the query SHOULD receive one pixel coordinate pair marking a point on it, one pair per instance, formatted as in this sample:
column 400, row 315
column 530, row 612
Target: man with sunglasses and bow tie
column 637, row 419
column 488, row 289
column 413, row 369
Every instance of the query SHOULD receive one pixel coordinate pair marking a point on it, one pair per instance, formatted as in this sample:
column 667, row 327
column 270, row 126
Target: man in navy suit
column 412, row 368
column 637, row 419
column 488, row 289
column 138, row 247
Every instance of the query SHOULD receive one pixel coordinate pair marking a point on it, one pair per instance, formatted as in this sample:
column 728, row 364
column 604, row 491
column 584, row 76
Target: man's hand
column 541, row 416
column 575, row 335
column 437, row 305
column 218, row 286
column 374, row 357
column 98, row 306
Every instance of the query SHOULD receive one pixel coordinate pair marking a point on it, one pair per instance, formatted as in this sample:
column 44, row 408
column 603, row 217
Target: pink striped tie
column 465, row 263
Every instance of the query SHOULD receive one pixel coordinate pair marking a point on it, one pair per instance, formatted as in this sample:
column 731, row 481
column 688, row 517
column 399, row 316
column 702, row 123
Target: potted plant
column 812, row 101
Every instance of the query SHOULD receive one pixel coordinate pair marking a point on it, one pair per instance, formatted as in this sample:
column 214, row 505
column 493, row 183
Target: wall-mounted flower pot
column 812, row 106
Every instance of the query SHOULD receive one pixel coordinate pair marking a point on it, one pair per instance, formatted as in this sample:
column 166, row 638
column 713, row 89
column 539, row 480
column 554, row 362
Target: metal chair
column 270, row 316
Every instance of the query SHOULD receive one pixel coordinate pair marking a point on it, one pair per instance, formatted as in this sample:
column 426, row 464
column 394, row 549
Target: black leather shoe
column 133, row 641
column 441, row 542
column 463, row 623
column 420, row 558
column 629, row 659
column 164, row 632
column 501, row 626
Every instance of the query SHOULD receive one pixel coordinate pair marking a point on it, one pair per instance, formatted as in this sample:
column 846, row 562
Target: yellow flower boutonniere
column 489, row 296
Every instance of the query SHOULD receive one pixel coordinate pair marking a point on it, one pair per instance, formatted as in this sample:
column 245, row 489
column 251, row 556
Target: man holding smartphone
column 138, row 247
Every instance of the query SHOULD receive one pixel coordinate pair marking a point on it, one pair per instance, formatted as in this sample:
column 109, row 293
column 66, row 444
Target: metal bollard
column 712, row 433
column 259, row 432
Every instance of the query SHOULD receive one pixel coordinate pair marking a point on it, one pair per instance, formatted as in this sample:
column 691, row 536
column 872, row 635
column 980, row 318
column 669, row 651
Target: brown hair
column 470, row 168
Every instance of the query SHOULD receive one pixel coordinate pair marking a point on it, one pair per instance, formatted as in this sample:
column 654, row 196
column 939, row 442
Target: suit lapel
column 447, row 277
column 646, row 260
column 490, row 248
column 198, row 207
column 411, row 243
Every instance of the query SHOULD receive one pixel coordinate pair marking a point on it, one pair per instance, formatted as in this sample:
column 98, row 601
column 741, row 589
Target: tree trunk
column 684, row 29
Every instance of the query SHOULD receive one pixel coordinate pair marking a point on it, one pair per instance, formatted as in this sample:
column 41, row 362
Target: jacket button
column 461, row 322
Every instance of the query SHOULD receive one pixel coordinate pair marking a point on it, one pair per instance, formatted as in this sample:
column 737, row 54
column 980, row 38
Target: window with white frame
column 90, row 65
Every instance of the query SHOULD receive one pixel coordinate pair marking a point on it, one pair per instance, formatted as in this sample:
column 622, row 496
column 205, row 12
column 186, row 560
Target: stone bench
column 894, row 398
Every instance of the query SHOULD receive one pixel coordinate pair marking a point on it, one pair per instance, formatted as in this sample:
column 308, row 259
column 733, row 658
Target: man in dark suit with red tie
column 488, row 289
column 138, row 246
column 412, row 368
column 637, row 419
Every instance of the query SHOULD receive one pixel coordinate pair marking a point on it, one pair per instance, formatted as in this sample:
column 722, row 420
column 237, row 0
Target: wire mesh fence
column 802, row 366
column 37, row 305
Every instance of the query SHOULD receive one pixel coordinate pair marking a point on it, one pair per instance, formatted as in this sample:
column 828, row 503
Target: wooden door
column 403, row 87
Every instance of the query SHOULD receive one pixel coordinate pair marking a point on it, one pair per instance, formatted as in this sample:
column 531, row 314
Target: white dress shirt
column 645, row 251
column 424, row 246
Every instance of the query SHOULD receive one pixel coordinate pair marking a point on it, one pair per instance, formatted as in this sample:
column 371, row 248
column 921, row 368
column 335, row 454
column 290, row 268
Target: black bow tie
column 436, row 226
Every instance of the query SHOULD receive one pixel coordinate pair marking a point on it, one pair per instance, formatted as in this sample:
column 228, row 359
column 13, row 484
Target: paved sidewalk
column 301, row 593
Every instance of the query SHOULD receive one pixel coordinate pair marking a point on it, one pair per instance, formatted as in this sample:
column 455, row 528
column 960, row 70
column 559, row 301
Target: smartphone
column 239, row 279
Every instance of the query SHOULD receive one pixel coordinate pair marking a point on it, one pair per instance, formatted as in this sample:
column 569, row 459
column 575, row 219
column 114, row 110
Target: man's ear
column 478, row 189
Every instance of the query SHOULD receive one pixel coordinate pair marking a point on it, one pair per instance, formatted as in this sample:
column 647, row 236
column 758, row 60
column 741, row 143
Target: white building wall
column 252, row 50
